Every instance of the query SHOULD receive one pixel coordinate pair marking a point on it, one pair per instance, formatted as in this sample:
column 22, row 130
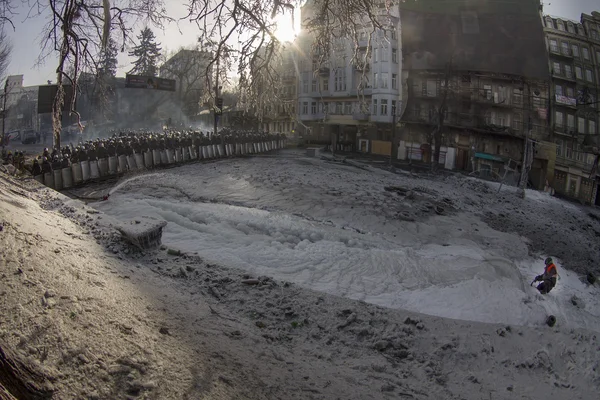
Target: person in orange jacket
column 548, row 278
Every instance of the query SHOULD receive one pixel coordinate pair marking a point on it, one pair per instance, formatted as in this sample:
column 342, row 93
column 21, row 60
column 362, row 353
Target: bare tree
column 5, row 52
column 257, row 58
column 78, row 31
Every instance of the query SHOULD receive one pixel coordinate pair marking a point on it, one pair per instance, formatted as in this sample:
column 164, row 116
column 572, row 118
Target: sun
column 286, row 30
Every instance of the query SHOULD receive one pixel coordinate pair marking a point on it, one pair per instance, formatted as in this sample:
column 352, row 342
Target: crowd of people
column 126, row 150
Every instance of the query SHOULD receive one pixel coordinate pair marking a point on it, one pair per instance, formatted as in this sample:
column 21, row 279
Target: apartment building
column 349, row 96
column 489, row 90
column 574, row 62
column 188, row 68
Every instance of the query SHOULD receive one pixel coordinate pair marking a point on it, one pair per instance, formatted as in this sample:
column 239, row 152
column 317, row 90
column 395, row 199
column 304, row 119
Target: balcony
column 360, row 116
column 563, row 129
column 573, row 163
column 564, row 52
column 565, row 76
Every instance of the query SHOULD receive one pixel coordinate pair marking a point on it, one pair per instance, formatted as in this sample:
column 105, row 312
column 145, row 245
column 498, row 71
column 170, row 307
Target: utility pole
column 526, row 129
column 4, row 116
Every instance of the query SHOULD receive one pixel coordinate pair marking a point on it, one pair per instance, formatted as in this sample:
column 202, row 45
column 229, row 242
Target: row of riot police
column 139, row 150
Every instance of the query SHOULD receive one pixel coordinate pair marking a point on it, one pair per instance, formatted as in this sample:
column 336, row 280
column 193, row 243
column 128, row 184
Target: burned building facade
column 478, row 71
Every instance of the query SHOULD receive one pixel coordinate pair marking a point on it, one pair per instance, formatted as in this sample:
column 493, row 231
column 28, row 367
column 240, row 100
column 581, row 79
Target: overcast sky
column 26, row 37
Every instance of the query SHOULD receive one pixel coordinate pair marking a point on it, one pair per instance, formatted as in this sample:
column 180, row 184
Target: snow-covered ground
column 335, row 228
column 93, row 318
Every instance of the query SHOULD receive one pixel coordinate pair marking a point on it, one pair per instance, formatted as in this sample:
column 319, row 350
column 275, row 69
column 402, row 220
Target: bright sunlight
column 286, row 30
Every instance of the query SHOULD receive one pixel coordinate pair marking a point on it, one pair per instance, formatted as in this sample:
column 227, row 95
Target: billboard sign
column 46, row 95
column 149, row 82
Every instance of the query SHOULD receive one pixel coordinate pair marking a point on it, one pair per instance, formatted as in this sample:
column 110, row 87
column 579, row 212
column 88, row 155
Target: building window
column 340, row 79
column 384, row 108
column 313, row 107
column 594, row 34
column 517, row 97
column 384, row 80
column 554, row 45
column 568, row 71
column 559, row 145
column 565, row 48
column 578, row 73
column 570, row 122
column 558, row 90
column 558, row 119
column 375, row 80
column 580, row 30
column 570, row 27
column 394, row 34
column 314, row 86
column 588, row 75
column 384, row 54
column 580, row 125
column 570, row 92
column 305, row 107
column 395, row 56
column 549, row 23
column 592, row 127
column 305, row 84
column 348, row 108
column 326, row 85
column 375, row 54
column 339, row 108
column 395, row 81
column 431, row 88
column 560, row 25
column 575, row 49
column 374, row 106
column 393, row 107
column 586, row 53
column 487, row 91
column 556, row 68
column 598, row 57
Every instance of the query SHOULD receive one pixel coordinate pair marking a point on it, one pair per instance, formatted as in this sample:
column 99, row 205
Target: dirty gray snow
column 101, row 320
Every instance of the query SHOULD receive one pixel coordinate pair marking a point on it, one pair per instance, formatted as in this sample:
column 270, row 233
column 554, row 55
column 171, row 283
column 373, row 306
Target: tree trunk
column 20, row 380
